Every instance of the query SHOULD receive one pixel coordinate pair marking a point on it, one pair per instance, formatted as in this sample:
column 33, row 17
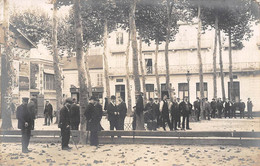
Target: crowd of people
column 155, row 114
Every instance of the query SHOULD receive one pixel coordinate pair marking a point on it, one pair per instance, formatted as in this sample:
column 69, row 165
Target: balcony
column 182, row 69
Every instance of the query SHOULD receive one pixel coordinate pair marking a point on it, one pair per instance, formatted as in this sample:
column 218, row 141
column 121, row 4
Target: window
column 183, row 90
column 205, row 89
column 99, row 79
column 164, row 90
column 149, row 66
column 119, row 38
column 236, row 91
column 49, row 81
column 149, row 91
column 120, row 91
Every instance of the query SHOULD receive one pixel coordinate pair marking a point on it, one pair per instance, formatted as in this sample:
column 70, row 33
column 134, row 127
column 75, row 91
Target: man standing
column 179, row 116
column 164, row 109
column 24, row 123
column 175, row 113
column 219, row 107
column 185, row 107
column 213, row 105
column 207, row 108
column 197, row 108
column 32, row 110
column 249, row 108
column 113, row 114
column 227, row 108
column 156, row 110
column 64, row 124
column 89, row 110
column 94, row 123
column 121, row 107
column 74, row 115
column 242, row 107
column 48, row 113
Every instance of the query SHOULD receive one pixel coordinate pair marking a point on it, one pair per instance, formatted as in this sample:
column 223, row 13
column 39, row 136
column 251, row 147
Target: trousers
column 65, row 137
column 26, row 133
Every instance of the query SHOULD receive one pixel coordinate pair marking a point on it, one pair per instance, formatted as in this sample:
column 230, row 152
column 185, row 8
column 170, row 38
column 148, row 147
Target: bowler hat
column 113, row 97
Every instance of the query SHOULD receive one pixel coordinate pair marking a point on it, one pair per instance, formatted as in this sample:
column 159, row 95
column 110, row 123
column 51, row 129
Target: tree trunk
column 139, row 118
column 57, row 72
column 83, row 97
column 142, row 69
column 134, row 48
column 215, row 59
column 221, row 67
column 156, row 69
column 169, row 11
column 105, row 62
column 87, row 71
column 230, row 66
column 129, row 100
column 6, row 72
column 200, row 59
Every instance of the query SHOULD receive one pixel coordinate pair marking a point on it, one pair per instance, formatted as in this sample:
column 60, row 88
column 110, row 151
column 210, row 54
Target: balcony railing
column 182, row 69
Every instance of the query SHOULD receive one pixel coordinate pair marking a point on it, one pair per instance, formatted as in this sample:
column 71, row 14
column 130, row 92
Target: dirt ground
column 143, row 155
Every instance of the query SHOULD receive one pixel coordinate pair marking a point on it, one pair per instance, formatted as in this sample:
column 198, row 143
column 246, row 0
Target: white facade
column 183, row 58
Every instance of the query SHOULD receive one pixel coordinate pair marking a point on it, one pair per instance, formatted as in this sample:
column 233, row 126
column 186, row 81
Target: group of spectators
column 218, row 108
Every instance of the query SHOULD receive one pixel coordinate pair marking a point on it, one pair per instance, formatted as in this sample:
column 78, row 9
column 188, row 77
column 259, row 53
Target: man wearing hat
column 32, row 110
column 122, row 113
column 24, row 123
column 89, row 110
column 197, row 108
column 64, row 124
column 48, row 113
column 156, row 110
column 94, row 122
column 213, row 105
column 74, row 115
column 113, row 114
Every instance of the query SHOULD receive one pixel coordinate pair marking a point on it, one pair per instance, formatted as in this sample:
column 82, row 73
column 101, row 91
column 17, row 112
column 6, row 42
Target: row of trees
column 90, row 22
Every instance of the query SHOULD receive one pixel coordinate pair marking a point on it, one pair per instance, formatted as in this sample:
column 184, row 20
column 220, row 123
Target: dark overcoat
column 64, row 117
column 23, row 116
column 74, row 114
column 111, row 109
column 96, row 116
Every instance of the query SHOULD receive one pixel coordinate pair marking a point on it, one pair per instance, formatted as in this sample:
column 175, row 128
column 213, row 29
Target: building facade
column 70, row 76
column 183, row 59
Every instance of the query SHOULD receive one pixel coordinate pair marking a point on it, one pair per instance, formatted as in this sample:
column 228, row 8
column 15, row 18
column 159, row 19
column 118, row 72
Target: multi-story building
column 70, row 75
column 183, row 59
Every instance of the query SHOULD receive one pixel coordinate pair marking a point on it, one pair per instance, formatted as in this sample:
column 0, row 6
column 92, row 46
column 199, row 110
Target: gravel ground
column 51, row 154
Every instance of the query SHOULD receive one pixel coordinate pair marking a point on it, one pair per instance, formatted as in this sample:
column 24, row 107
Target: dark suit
column 122, row 114
column 197, row 109
column 156, row 110
column 48, row 113
column 88, row 113
column 227, row 108
column 94, row 124
column 219, row 108
column 213, row 105
column 23, row 116
column 74, row 117
column 242, row 109
column 175, row 112
column 32, row 112
column 64, row 125
column 186, row 110
column 113, row 116
column 250, row 109
column 165, row 115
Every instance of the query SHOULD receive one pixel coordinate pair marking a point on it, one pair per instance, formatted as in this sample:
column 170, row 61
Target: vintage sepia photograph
column 130, row 82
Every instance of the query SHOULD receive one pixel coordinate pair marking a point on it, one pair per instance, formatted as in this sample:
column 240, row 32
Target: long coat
column 175, row 111
column 48, row 109
column 74, row 114
column 96, row 116
column 182, row 107
column 32, row 109
column 88, row 113
column 64, row 117
column 111, row 110
column 22, row 114
column 122, row 110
